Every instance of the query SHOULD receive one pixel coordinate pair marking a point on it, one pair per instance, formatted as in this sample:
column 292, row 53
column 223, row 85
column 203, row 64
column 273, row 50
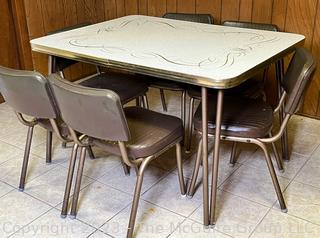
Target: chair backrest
column 58, row 63
column 251, row 25
column 201, row 18
column 27, row 92
column 297, row 78
column 94, row 112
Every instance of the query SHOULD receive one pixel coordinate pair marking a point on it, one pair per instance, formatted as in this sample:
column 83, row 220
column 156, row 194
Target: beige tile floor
column 247, row 205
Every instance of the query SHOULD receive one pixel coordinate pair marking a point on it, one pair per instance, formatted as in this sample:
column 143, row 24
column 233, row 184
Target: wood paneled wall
column 9, row 56
column 300, row 16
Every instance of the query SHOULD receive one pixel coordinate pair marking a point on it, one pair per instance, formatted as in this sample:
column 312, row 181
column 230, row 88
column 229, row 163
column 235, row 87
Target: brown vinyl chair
column 134, row 133
column 163, row 84
column 200, row 18
column 28, row 93
column 252, row 88
column 250, row 120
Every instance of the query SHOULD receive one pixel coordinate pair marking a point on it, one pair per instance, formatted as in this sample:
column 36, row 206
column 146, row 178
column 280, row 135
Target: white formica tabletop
column 206, row 55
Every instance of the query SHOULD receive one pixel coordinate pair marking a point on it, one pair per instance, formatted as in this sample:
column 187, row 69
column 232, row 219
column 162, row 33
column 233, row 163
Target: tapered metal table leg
column 204, row 99
column 215, row 167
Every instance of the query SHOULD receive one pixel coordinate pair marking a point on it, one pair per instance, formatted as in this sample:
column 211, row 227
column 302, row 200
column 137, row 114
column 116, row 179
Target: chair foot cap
column 188, row 151
column 21, row 189
column 231, row 165
column 189, row 196
column 284, row 210
column 184, row 195
column 63, row 215
column 281, row 171
column 209, row 226
column 72, row 216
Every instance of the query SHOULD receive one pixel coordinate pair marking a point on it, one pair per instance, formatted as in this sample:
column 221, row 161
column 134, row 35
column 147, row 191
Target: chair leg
column 72, row 163
column 274, row 178
column 62, row 74
column 180, row 169
column 64, row 144
column 90, row 152
column 138, row 101
column 49, row 147
column 276, row 155
column 183, row 108
column 190, row 124
column 76, row 192
column 163, row 100
column 233, row 154
column 195, row 172
column 136, row 196
column 285, row 145
column 135, row 204
column 145, row 101
column 126, row 168
column 26, row 158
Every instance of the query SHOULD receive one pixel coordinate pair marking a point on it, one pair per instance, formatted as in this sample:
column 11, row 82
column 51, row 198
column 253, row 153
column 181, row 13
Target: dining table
column 209, row 56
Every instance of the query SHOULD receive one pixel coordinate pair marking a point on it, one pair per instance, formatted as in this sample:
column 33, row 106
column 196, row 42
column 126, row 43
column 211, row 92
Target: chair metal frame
column 306, row 72
column 34, row 121
column 139, row 165
column 31, row 124
column 65, row 91
column 259, row 142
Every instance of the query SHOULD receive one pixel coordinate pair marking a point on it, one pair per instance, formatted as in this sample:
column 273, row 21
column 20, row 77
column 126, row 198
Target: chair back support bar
column 297, row 78
column 27, row 92
column 200, row 18
column 95, row 112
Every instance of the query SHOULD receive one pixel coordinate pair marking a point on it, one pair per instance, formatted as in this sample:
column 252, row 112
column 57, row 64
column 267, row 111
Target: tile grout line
column 250, row 235
column 31, row 222
column 214, row 228
column 296, row 217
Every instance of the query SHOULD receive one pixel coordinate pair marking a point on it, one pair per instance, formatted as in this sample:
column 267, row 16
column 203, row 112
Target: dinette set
column 214, row 65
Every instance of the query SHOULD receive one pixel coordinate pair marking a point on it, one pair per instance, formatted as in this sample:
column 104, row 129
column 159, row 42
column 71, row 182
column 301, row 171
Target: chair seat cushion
column 127, row 86
column 241, row 117
column 165, row 84
column 150, row 132
column 195, row 92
